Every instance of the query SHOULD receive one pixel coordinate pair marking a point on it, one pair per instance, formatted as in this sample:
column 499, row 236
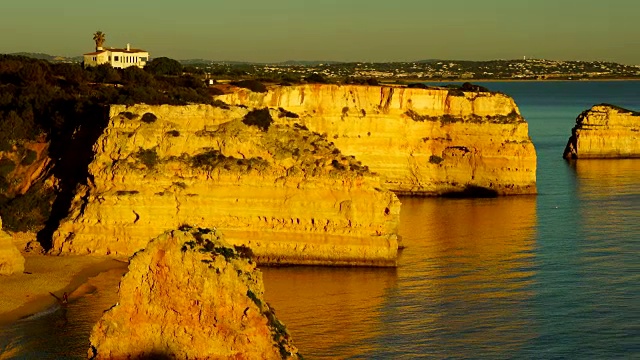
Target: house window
column 116, row 58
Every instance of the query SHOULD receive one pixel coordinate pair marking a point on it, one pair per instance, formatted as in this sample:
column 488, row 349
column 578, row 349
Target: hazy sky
column 345, row 30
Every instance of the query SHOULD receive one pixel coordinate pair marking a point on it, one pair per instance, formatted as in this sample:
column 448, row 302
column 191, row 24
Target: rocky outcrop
column 23, row 166
column 423, row 141
column 190, row 295
column 11, row 260
column 605, row 131
column 286, row 192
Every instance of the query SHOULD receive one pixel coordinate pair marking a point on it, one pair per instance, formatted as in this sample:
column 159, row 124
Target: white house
column 118, row 58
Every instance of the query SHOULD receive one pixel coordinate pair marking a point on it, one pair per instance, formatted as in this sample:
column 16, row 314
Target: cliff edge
column 432, row 141
column 605, row 131
column 191, row 295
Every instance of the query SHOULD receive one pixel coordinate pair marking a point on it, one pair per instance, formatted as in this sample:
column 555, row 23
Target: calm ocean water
column 549, row 276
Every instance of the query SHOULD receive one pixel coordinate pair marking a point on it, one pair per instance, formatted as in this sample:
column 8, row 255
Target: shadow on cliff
column 471, row 191
column 154, row 355
column 72, row 152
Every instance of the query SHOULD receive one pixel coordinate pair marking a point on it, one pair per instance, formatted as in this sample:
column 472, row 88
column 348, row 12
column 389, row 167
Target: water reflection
column 467, row 270
column 607, row 177
column 331, row 312
column 607, row 261
column 461, row 289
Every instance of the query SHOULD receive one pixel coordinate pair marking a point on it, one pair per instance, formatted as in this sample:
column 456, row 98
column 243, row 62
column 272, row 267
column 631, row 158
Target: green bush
column 149, row 118
column 29, row 158
column 6, row 167
column 27, row 212
column 260, row 118
column 148, row 157
column 435, row 159
column 252, row 85
column 316, row 78
column 164, row 66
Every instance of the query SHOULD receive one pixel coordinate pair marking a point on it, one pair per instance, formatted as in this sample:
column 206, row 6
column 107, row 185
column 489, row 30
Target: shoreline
column 27, row 294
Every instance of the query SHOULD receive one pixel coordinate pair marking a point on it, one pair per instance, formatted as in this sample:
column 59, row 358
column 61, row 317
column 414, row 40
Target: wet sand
column 28, row 293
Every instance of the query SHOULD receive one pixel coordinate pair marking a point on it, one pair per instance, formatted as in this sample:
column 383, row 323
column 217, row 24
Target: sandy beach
column 27, row 293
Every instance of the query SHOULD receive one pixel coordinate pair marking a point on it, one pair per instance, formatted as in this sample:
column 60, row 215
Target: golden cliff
column 423, row 141
column 286, row 192
column 11, row 260
column 605, row 131
column 190, row 295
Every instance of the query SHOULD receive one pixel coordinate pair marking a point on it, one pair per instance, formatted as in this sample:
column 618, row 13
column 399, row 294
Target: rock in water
column 190, row 295
column 11, row 260
column 605, row 131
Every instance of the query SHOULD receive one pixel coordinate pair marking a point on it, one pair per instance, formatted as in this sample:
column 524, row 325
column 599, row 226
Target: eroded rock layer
column 190, row 295
column 11, row 260
column 286, row 192
column 423, row 141
column 605, row 131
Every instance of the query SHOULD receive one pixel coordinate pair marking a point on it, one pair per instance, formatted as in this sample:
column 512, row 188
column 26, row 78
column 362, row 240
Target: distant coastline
column 458, row 80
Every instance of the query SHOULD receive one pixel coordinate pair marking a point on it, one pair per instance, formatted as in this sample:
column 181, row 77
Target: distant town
column 424, row 70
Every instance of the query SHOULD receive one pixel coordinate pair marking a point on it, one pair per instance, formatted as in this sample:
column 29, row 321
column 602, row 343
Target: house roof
column 96, row 52
column 130, row 51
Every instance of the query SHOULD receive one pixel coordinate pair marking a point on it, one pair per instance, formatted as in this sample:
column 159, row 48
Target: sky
column 345, row 30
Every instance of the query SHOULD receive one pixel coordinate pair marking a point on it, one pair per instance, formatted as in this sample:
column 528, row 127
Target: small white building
column 118, row 58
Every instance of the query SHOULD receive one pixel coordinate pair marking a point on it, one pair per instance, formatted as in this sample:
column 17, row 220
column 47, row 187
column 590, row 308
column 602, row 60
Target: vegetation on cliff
column 66, row 105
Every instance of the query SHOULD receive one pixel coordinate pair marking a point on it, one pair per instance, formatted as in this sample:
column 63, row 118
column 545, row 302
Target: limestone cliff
column 286, row 192
column 190, row 295
column 424, row 141
column 11, row 260
column 605, row 131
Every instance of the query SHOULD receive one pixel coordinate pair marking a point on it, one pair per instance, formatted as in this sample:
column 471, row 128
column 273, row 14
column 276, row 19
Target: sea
column 551, row 276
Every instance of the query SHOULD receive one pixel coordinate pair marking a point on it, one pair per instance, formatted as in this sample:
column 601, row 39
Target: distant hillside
column 283, row 63
column 47, row 57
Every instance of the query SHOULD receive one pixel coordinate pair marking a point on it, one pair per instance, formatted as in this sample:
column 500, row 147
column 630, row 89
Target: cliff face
column 282, row 190
column 605, row 131
column 11, row 260
column 423, row 141
column 21, row 168
column 190, row 295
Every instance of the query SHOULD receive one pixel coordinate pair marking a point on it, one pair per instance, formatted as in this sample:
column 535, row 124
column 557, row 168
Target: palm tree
column 99, row 37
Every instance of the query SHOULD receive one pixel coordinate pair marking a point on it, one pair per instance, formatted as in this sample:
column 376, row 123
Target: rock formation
column 605, row 131
column 11, row 260
column 286, row 192
column 424, row 141
column 190, row 295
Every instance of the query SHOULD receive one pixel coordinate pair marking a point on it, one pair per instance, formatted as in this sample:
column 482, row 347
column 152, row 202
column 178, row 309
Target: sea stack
column 190, row 295
column 605, row 132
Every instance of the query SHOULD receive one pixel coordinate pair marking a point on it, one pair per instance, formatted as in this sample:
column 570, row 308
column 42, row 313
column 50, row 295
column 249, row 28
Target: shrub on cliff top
column 316, row 78
column 260, row 118
column 472, row 87
column 149, row 118
column 252, row 85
